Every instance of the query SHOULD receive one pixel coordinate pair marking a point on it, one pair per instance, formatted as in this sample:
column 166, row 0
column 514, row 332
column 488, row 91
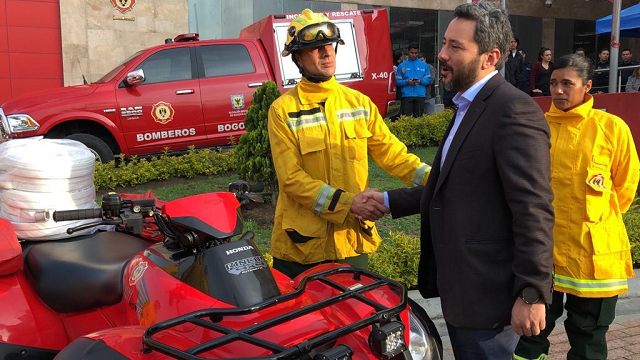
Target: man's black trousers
column 587, row 322
column 413, row 106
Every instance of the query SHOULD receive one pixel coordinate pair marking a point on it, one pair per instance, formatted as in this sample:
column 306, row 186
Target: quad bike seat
column 81, row 273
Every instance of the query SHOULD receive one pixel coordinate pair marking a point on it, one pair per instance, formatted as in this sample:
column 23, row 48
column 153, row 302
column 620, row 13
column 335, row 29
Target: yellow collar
column 314, row 93
column 577, row 113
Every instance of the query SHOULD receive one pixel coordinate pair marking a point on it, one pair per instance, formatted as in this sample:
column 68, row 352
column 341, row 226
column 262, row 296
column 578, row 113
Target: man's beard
column 462, row 78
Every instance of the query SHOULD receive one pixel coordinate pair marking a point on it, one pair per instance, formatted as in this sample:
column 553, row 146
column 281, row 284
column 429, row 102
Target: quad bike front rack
column 383, row 315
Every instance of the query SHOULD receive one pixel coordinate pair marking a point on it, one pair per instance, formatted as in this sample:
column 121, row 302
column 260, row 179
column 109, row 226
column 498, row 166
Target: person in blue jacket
column 413, row 77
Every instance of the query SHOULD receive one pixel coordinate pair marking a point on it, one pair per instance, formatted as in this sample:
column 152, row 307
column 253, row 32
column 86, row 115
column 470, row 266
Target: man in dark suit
column 514, row 64
column 526, row 71
column 486, row 214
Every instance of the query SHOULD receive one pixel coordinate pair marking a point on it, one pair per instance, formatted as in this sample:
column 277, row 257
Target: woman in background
column 633, row 83
column 541, row 73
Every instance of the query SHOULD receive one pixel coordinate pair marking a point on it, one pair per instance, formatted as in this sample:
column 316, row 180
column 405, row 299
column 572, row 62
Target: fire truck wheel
column 98, row 147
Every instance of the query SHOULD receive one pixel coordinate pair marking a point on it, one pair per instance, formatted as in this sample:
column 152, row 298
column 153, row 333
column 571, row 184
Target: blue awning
column 629, row 22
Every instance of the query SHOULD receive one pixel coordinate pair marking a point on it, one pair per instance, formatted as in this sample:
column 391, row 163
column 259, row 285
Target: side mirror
column 135, row 77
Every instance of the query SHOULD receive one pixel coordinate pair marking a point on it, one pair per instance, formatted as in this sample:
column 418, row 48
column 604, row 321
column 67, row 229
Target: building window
column 408, row 25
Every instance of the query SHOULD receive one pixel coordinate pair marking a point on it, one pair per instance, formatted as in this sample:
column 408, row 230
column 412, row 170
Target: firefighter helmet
column 310, row 30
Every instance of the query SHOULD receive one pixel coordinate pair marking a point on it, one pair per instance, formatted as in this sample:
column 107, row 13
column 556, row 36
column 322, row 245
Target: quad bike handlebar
column 247, row 193
column 115, row 210
column 83, row 214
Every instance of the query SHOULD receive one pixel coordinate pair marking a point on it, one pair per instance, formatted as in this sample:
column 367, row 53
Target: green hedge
column 632, row 223
column 138, row 171
column 424, row 131
column 397, row 258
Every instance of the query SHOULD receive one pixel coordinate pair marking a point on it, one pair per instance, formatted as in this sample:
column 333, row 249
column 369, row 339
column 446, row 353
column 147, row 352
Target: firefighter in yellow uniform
column 594, row 176
column 321, row 134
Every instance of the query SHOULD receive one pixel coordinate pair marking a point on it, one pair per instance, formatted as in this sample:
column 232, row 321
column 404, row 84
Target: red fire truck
column 189, row 92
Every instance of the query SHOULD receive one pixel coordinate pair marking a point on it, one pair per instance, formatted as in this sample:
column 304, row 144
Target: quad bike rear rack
column 381, row 316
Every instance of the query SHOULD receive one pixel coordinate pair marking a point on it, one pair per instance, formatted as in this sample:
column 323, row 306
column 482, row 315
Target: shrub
column 426, row 130
column 254, row 151
column 269, row 259
column 632, row 223
column 136, row 171
column 397, row 258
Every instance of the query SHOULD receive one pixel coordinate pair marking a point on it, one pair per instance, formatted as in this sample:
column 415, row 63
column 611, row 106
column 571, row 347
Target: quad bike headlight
column 388, row 340
column 18, row 123
column 421, row 346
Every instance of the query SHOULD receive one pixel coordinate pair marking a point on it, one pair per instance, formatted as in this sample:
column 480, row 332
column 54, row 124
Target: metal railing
column 619, row 82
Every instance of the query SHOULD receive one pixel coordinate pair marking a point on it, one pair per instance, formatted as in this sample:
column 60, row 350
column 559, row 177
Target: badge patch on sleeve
column 597, row 182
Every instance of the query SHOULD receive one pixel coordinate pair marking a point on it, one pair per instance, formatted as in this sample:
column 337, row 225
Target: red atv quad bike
column 196, row 294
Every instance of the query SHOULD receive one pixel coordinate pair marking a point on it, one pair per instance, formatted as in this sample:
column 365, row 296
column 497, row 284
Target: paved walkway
column 623, row 336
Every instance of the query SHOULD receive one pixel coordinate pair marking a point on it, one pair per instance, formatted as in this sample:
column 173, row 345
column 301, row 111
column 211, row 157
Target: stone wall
column 96, row 37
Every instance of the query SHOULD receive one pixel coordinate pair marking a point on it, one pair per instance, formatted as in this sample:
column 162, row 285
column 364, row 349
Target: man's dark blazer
column 486, row 217
column 513, row 68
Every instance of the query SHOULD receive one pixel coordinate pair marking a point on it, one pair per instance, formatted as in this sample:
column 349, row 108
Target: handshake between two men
column 369, row 205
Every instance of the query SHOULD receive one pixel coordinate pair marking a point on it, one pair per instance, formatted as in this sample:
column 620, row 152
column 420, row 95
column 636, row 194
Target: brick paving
column 623, row 339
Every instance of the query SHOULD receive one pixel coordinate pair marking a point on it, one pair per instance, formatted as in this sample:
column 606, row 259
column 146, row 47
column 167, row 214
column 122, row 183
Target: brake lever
column 71, row 230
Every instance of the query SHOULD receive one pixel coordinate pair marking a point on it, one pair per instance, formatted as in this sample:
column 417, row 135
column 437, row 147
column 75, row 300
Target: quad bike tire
column 99, row 148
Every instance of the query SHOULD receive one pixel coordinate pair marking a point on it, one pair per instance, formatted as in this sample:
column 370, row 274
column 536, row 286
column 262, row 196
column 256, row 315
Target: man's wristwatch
column 530, row 295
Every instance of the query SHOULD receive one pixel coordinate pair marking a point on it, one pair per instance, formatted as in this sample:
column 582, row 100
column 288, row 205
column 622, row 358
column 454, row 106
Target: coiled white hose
column 39, row 176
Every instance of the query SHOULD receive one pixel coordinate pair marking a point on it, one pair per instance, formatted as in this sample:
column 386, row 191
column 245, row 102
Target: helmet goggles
column 315, row 32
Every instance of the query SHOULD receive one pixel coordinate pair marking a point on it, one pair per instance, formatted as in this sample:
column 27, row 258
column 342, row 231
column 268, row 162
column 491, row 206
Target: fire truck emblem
column 123, row 5
column 162, row 112
column 597, row 181
column 237, row 101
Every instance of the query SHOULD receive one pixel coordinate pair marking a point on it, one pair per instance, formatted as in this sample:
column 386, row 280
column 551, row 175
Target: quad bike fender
column 86, row 348
column 10, row 249
column 28, row 322
column 121, row 343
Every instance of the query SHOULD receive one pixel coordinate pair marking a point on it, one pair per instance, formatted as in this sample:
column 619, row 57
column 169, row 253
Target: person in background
column 514, row 65
column 322, row 134
column 430, row 100
column 595, row 171
column 602, row 78
column 580, row 51
column 627, row 60
column 413, row 77
column 526, row 72
column 541, row 73
column 398, row 57
column 633, row 83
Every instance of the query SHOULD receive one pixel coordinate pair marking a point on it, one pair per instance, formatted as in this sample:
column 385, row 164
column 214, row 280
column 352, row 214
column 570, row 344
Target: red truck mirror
column 135, row 77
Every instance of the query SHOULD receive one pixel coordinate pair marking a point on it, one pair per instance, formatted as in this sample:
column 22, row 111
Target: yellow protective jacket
column 594, row 176
column 320, row 134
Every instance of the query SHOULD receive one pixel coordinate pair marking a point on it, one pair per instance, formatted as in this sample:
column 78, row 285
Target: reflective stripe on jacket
column 320, row 135
column 594, row 175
